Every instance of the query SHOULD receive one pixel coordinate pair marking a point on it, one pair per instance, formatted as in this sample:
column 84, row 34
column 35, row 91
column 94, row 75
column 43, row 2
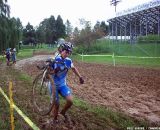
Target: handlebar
column 49, row 62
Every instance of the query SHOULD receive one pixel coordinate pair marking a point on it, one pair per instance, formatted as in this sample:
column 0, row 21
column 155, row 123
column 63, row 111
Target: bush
column 149, row 39
column 95, row 48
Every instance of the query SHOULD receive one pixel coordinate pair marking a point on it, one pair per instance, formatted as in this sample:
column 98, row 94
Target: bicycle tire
column 43, row 102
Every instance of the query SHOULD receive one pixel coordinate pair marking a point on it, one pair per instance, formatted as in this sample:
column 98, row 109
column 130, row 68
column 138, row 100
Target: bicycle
column 43, row 95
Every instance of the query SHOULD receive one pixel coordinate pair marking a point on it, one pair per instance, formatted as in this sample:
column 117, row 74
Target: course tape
column 34, row 127
column 124, row 56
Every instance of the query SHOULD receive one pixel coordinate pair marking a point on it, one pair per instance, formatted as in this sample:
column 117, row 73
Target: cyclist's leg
column 50, row 88
column 7, row 60
column 56, row 106
column 69, row 102
column 66, row 93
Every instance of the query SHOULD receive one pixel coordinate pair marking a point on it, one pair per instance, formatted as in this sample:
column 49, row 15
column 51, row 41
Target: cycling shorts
column 63, row 90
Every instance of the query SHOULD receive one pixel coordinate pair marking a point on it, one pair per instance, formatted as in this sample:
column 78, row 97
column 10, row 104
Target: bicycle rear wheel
column 43, row 95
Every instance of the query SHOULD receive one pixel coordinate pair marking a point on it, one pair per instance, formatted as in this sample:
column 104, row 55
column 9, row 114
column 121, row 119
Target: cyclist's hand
column 81, row 80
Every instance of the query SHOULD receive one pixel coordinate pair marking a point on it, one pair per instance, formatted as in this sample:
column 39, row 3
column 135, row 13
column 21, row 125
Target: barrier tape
column 123, row 56
column 11, row 105
column 32, row 125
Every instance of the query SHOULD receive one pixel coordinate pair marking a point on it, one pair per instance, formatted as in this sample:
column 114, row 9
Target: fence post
column 11, row 105
column 114, row 64
column 82, row 56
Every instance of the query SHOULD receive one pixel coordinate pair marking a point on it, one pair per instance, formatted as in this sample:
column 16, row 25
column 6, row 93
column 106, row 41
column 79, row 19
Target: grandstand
column 141, row 20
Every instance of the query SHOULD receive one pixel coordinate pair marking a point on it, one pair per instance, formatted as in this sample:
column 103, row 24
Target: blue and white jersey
column 63, row 66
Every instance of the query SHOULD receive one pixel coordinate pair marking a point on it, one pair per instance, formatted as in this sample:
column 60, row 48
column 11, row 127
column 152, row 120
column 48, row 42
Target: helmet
column 60, row 41
column 66, row 46
column 70, row 44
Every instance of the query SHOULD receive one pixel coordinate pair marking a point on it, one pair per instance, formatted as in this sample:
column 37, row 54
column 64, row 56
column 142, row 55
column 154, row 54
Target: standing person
column 59, row 76
column 8, row 56
column 13, row 54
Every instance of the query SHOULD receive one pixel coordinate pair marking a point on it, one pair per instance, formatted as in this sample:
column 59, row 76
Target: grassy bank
column 142, row 54
column 121, row 48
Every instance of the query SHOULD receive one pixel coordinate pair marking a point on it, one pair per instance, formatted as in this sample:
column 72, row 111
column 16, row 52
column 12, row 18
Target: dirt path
column 134, row 91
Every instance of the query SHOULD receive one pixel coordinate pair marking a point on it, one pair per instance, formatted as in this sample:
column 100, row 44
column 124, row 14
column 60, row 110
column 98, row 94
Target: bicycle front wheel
column 43, row 94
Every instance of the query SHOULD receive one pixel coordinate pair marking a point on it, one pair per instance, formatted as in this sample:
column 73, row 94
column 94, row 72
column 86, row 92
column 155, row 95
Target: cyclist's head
column 65, row 46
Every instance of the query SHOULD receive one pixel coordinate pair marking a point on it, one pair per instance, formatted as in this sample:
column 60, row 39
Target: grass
column 106, row 47
column 5, row 121
column 142, row 62
column 24, row 82
column 28, row 51
column 24, row 77
column 4, row 114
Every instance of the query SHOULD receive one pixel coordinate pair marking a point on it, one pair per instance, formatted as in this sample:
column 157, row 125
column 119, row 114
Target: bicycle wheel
column 43, row 95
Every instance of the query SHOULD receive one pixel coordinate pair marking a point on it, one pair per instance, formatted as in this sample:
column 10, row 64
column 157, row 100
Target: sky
column 35, row 11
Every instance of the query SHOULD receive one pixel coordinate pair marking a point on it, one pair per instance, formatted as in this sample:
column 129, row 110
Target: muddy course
column 132, row 90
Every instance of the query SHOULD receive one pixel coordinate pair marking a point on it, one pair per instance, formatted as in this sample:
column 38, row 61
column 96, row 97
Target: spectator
column 13, row 53
column 8, row 56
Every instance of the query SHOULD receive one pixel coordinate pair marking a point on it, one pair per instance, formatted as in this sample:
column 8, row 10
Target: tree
column 4, row 14
column 29, row 35
column 104, row 27
column 51, row 35
column 69, row 28
column 75, row 37
column 10, row 28
column 4, row 9
column 50, row 30
column 60, row 27
column 101, row 28
column 15, row 31
column 87, row 35
column 41, row 31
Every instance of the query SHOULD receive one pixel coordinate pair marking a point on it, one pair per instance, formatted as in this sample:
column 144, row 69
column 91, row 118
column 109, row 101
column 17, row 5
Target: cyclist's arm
column 51, row 70
column 75, row 70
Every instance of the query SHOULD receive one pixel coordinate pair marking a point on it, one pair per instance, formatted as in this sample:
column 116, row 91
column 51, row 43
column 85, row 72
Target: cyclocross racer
column 59, row 76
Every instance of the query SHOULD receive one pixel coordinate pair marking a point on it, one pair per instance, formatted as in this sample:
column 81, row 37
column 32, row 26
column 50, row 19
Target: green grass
column 124, row 49
column 27, row 51
column 143, row 62
column 24, row 77
column 115, row 119
column 106, row 47
column 4, row 114
column 5, row 122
